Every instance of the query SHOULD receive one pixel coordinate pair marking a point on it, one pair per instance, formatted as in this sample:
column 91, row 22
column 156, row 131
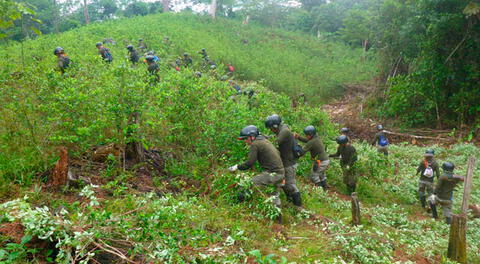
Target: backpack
column 383, row 141
column 296, row 149
column 107, row 55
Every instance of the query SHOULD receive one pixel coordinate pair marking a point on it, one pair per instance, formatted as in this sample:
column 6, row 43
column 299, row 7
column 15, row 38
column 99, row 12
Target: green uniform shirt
column 432, row 164
column 63, row 62
column 348, row 155
column 285, row 146
column 445, row 185
column 316, row 148
column 266, row 154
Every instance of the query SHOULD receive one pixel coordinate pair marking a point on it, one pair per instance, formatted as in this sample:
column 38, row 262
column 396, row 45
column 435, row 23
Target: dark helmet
column 213, row 66
column 379, row 127
column 185, row 54
column 448, row 166
column 203, row 50
column 273, row 121
column 150, row 58
column 344, row 130
column 430, row 152
column 99, row 44
column 310, row 130
column 58, row 50
column 342, row 139
column 198, row 74
column 140, row 39
column 130, row 47
column 249, row 131
column 152, row 52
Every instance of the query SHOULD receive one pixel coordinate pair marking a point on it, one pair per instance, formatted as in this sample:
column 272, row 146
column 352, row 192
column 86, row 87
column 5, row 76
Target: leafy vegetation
column 188, row 213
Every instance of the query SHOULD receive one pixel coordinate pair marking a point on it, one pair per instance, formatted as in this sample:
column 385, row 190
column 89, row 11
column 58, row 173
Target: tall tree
column 166, row 5
column 85, row 12
column 213, row 8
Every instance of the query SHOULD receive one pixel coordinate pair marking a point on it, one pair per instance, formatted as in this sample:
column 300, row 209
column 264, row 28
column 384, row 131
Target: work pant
column 446, row 205
column 319, row 175
column 270, row 179
column 425, row 189
column 383, row 150
column 350, row 177
column 290, row 186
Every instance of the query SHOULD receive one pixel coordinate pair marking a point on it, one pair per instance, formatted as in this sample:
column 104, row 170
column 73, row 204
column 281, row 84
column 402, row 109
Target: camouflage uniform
column 348, row 158
column 269, row 158
column 106, row 55
column 376, row 140
column 63, row 63
column 134, row 57
column 426, row 183
column 444, row 193
column 319, row 158
column 285, row 140
column 153, row 69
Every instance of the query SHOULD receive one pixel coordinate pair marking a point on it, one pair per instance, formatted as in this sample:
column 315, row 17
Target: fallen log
column 416, row 137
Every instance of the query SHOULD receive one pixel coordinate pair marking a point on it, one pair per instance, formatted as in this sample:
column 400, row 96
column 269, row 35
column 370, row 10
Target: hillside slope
column 183, row 209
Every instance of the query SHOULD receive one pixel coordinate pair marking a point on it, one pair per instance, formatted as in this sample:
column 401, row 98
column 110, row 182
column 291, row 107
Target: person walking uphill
column 286, row 143
column 269, row 158
column 153, row 68
column 104, row 52
column 443, row 193
column 318, row 155
column 348, row 155
column 428, row 169
column 381, row 141
column 63, row 61
column 132, row 54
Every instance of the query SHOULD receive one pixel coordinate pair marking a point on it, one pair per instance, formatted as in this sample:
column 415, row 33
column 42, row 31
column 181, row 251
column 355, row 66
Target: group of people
column 279, row 164
column 151, row 59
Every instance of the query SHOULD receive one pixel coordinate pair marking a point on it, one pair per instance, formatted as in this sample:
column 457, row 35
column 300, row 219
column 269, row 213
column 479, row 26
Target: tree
column 136, row 9
column 166, row 5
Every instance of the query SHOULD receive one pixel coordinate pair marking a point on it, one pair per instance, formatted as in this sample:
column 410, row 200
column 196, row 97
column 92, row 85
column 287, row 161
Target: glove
column 233, row 168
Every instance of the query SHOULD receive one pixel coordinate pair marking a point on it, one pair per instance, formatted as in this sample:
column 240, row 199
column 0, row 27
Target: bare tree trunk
column 166, row 5
column 85, row 12
column 213, row 8
column 55, row 16
column 60, row 172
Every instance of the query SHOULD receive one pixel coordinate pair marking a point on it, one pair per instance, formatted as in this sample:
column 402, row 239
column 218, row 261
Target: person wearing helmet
column 268, row 157
column 155, row 57
column 132, row 54
column 381, row 141
column 286, row 143
column 104, row 52
column 63, row 61
column 345, row 131
column 153, row 68
column 428, row 169
column 204, row 54
column 348, row 155
column 142, row 46
column 187, row 60
column 318, row 155
column 443, row 192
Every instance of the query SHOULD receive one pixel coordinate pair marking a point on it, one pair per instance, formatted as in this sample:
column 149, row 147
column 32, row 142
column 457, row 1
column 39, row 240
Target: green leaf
column 36, row 30
column 26, row 239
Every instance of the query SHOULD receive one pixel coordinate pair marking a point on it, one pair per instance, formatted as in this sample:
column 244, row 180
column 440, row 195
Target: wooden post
column 457, row 243
column 355, row 209
column 60, row 172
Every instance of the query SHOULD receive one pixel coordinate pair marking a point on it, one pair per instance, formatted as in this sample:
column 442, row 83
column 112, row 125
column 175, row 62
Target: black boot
column 434, row 210
column 323, row 184
column 297, row 199
column 448, row 220
column 423, row 201
column 279, row 219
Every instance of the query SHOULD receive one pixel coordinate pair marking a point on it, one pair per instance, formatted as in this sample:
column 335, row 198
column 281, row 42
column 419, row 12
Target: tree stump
column 60, row 172
column 457, row 244
column 355, row 209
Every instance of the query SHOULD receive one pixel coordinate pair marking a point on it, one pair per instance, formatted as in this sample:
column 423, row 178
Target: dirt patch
column 419, row 258
column 14, row 231
column 349, row 112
